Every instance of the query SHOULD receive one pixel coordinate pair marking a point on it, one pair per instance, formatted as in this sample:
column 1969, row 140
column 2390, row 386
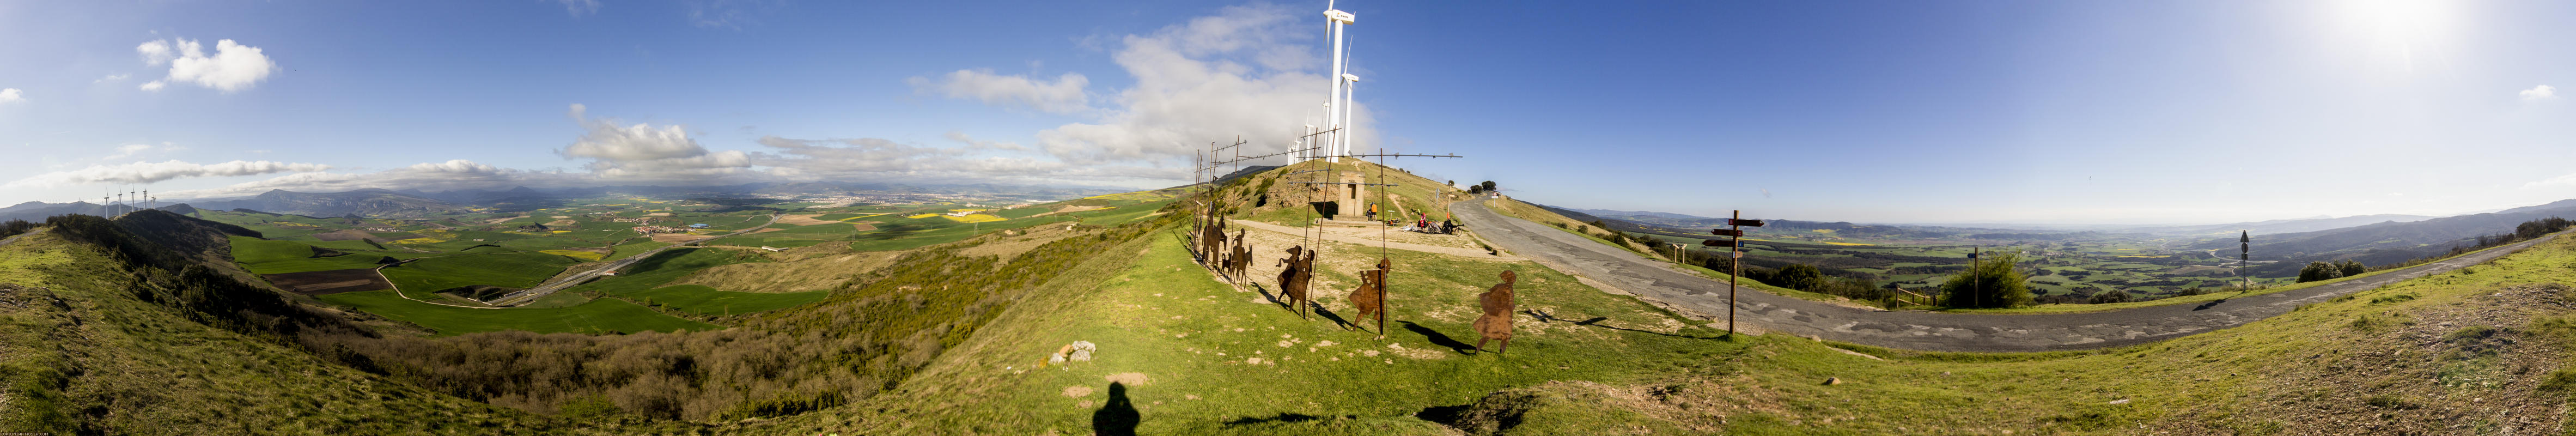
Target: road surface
column 529, row 295
column 1929, row 331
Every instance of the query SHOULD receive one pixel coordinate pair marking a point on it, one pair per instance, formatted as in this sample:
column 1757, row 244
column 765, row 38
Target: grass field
column 422, row 277
column 1192, row 356
column 607, row 315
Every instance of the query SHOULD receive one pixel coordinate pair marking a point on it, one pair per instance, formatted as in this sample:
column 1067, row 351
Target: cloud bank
column 154, row 172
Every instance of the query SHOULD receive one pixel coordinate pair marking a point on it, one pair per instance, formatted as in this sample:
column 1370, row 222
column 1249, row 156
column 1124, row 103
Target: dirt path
column 1338, row 237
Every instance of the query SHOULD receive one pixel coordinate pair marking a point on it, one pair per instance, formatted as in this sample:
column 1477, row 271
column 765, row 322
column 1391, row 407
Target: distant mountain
column 2289, row 225
column 2387, row 242
column 363, row 202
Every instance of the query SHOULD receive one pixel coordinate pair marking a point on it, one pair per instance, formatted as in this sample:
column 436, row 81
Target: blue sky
column 1998, row 111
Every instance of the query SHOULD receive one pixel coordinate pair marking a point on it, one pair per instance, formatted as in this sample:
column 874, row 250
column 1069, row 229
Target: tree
column 2319, row 271
column 1489, row 185
column 2110, row 296
column 1801, row 276
column 1993, row 283
column 1473, row 189
column 2351, row 268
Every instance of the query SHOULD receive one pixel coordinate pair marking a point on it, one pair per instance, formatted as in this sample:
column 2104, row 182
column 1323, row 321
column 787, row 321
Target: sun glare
column 2393, row 30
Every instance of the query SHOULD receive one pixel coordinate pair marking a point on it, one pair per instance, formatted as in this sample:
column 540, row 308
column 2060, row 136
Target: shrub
column 2316, row 271
column 1993, row 283
column 2110, row 296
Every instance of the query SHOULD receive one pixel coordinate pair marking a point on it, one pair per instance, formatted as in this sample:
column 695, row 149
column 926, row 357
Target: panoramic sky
column 1897, row 111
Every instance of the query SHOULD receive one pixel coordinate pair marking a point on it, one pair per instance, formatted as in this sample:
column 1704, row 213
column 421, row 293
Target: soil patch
column 864, row 227
column 330, row 282
column 767, row 230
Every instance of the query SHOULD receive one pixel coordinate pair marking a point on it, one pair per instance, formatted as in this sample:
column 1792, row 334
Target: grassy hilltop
column 945, row 331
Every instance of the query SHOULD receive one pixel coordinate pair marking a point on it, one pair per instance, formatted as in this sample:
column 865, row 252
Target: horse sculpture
column 1496, row 323
column 1298, row 271
column 1241, row 257
column 1370, row 298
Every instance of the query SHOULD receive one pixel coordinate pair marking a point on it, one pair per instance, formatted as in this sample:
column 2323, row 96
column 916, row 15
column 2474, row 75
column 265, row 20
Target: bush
column 1802, row 277
column 2110, row 296
column 1993, row 283
column 2316, row 271
column 2351, row 268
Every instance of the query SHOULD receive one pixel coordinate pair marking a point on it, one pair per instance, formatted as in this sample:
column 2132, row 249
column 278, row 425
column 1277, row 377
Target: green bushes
column 2316, row 271
column 1991, row 284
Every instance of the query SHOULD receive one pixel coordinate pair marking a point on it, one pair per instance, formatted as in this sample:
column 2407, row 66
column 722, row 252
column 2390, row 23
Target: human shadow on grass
column 1437, row 338
column 1117, row 417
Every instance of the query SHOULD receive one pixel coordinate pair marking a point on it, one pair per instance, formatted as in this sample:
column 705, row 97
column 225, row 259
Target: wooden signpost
column 1735, row 255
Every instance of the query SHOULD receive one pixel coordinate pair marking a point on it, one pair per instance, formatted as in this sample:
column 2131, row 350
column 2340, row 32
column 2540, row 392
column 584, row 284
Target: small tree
column 2351, row 268
column 2109, row 296
column 1802, row 277
column 2319, row 271
column 1993, row 283
column 1489, row 185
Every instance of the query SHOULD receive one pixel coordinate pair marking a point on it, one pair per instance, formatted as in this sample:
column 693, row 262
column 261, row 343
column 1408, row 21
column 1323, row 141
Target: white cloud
column 111, row 78
column 12, row 95
column 151, row 172
column 128, row 150
column 2538, row 93
column 1064, row 95
column 432, row 176
column 579, row 7
column 233, row 67
column 156, row 52
column 731, row 14
column 649, row 153
column 975, row 144
column 1248, row 70
column 131, row 150
column 2565, row 180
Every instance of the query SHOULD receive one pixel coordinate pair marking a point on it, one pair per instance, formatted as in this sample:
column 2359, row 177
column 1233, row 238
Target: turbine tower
column 1336, row 104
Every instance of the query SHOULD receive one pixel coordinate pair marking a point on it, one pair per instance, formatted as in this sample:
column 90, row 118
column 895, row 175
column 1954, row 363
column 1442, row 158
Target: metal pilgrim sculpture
column 1496, row 323
column 1370, row 297
column 1298, row 271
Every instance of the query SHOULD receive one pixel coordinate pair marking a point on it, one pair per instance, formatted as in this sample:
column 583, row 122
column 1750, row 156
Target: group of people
column 1422, row 222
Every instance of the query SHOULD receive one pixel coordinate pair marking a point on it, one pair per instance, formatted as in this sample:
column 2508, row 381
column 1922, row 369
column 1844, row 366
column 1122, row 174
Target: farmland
column 436, row 271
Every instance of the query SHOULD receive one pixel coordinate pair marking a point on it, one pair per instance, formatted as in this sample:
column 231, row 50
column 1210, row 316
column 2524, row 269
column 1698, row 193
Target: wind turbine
column 1335, row 111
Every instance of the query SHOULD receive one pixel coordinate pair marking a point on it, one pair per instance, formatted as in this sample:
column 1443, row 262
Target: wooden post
column 1975, row 260
column 1735, row 259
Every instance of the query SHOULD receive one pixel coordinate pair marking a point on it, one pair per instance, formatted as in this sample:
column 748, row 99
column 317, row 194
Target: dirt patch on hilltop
column 330, row 282
column 865, row 226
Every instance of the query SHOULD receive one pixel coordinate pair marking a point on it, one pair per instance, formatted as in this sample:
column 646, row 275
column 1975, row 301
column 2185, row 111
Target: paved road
column 530, row 295
column 1931, row 331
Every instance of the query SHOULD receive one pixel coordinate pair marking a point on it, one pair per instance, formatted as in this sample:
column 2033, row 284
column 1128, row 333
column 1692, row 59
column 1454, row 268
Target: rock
column 1830, row 381
column 1082, row 350
column 1055, row 358
column 2120, row 401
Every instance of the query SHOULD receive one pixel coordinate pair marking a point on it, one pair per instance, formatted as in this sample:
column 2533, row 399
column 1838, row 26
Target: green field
column 607, row 315
column 421, row 278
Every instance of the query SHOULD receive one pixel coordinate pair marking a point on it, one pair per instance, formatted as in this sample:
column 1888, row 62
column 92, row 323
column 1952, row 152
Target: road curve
column 530, row 295
column 1928, row 331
